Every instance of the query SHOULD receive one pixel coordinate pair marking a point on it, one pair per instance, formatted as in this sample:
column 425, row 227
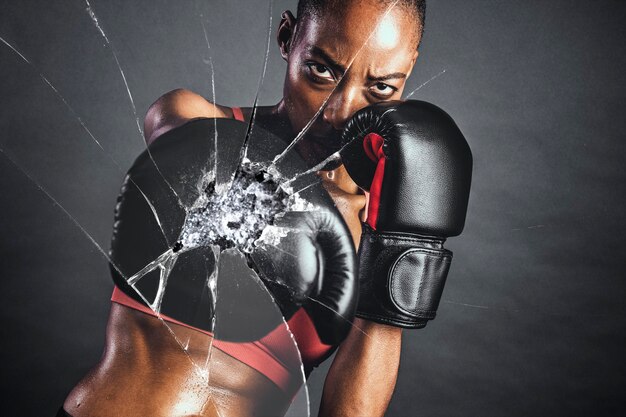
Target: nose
column 341, row 105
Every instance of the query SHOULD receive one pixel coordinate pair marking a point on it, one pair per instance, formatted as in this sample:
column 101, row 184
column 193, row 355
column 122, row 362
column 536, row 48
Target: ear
column 286, row 31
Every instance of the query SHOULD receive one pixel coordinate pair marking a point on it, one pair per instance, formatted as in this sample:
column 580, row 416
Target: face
column 350, row 58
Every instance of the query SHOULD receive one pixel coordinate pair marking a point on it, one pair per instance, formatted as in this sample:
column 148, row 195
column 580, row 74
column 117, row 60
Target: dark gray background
column 533, row 316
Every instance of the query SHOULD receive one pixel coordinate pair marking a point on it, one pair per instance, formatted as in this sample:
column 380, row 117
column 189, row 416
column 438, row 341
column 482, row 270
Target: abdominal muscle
column 144, row 371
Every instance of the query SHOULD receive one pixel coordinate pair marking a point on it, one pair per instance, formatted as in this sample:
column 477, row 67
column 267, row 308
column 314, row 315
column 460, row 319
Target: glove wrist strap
column 402, row 277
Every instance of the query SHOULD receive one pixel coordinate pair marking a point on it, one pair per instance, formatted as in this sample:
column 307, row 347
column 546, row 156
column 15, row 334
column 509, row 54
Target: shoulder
column 175, row 108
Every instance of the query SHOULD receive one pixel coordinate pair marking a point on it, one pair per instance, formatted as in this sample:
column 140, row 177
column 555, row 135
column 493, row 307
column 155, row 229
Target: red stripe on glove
column 373, row 147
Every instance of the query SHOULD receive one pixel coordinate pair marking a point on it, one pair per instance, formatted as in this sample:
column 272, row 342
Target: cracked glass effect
column 240, row 192
column 242, row 216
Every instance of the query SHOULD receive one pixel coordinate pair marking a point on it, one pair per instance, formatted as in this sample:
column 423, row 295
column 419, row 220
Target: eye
column 383, row 90
column 320, row 71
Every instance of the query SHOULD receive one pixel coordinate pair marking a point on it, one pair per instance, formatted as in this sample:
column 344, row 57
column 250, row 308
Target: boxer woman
column 353, row 53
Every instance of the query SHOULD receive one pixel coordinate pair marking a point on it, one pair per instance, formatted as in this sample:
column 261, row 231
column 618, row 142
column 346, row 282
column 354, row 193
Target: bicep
column 175, row 108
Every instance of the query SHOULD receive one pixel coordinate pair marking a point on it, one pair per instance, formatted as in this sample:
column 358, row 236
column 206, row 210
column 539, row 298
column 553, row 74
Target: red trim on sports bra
column 274, row 355
column 237, row 113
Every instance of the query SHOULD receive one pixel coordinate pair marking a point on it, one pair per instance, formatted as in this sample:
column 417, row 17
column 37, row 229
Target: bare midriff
column 144, row 371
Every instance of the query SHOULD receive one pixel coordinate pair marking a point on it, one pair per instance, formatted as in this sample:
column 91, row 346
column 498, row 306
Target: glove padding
column 313, row 267
column 417, row 166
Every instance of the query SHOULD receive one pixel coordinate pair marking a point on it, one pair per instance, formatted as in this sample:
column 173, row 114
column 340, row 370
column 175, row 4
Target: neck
column 275, row 119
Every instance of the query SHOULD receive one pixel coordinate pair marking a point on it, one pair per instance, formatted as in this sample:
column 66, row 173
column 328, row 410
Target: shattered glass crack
column 237, row 217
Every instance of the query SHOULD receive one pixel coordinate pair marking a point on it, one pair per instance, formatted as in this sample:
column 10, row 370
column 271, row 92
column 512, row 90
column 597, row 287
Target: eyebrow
column 315, row 50
column 393, row 76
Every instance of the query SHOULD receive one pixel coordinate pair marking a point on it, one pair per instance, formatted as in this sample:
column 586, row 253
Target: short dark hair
column 314, row 7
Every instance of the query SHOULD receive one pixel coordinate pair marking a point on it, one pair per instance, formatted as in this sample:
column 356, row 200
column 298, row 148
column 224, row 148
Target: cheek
column 304, row 100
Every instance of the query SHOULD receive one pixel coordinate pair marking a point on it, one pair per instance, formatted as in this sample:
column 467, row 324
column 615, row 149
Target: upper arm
column 177, row 107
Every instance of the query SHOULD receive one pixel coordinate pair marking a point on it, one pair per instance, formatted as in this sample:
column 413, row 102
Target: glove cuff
column 402, row 277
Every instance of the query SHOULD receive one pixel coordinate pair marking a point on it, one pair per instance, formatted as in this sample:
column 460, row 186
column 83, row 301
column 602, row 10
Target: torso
column 144, row 371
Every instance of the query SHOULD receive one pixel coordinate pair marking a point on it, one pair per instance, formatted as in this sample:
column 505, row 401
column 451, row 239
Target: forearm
column 363, row 375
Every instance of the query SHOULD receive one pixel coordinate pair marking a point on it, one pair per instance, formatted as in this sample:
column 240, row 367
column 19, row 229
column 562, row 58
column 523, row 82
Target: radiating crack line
column 424, row 84
column 306, row 187
column 58, row 204
column 212, row 279
column 109, row 44
column 244, row 148
column 88, row 131
column 213, row 97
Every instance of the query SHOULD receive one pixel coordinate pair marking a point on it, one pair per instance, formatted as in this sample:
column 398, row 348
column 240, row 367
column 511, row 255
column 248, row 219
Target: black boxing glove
column 417, row 167
column 314, row 267
column 160, row 257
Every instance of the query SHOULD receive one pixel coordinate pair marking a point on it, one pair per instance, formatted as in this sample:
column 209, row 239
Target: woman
column 341, row 56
